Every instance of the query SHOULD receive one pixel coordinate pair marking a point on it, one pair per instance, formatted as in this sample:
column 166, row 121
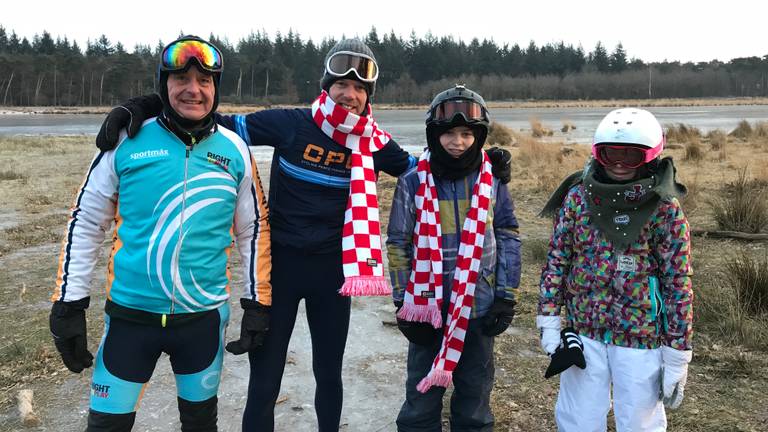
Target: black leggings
column 316, row 279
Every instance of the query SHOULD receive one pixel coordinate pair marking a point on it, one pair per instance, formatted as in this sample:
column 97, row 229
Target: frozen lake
column 407, row 126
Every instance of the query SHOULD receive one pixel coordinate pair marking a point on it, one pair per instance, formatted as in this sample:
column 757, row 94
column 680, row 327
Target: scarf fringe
column 365, row 286
column 436, row 377
column 421, row 313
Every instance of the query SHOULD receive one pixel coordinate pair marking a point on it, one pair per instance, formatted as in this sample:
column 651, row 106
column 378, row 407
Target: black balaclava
column 444, row 165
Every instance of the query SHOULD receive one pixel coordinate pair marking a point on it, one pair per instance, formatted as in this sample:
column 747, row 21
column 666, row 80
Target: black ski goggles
column 470, row 110
column 177, row 56
column 343, row 62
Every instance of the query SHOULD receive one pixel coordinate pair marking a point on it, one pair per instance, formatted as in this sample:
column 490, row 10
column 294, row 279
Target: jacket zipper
column 177, row 252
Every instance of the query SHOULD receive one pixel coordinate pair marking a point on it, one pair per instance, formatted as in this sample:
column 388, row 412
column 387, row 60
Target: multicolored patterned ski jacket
column 640, row 297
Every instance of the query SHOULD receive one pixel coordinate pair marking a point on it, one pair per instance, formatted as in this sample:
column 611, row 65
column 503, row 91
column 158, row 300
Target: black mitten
column 501, row 163
column 130, row 116
column 570, row 353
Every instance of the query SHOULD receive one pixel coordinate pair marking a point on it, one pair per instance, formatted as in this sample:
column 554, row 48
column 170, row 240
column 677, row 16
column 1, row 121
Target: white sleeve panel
column 252, row 232
column 91, row 216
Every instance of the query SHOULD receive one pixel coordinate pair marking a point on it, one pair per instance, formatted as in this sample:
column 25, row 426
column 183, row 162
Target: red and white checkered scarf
column 361, row 235
column 424, row 294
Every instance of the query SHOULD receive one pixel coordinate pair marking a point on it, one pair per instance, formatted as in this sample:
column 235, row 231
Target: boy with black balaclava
column 454, row 261
column 619, row 262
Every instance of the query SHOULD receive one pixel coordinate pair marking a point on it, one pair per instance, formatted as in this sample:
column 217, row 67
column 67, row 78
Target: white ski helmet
column 633, row 127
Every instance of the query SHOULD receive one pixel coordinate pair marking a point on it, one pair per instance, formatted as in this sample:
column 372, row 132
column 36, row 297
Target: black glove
column 130, row 116
column 420, row 333
column 499, row 317
column 570, row 353
column 501, row 163
column 253, row 327
column 67, row 322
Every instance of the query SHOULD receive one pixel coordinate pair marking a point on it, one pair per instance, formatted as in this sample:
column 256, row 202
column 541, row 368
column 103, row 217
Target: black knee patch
column 198, row 416
column 105, row 422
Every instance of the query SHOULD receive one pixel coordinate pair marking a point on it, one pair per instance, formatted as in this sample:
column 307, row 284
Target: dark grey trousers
column 472, row 383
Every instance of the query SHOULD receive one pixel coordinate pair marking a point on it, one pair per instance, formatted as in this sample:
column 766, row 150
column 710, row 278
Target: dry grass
column 547, row 163
column 755, row 135
column 567, row 126
column 718, row 142
column 498, row 134
column 733, row 295
column 11, row 175
column 743, row 130
column 742, row 206
column 693, row 150
column 760, row 130
column 33, row 216
column 538, row 129
column 717, row 139
column 682, row 133
column 690, row 201
column 748, row 277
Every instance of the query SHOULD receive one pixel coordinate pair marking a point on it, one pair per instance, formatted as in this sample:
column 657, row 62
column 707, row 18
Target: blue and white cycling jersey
column 176, row 212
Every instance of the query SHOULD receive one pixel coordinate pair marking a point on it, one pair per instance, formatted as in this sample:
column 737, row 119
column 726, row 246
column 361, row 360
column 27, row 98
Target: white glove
column 550, row 332
column 674, row 375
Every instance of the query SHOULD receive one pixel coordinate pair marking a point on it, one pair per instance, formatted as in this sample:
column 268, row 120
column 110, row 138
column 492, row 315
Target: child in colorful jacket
column 619, row 261
column 454, row 261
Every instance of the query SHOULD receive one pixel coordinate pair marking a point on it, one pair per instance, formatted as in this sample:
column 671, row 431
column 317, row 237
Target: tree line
column 286, row 69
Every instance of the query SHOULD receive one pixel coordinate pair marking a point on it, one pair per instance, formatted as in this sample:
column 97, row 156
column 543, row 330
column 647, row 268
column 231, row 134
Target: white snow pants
column 585, row 395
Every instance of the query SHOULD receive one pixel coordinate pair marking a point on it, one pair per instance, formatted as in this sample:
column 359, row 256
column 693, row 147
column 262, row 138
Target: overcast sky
column 650, row 30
